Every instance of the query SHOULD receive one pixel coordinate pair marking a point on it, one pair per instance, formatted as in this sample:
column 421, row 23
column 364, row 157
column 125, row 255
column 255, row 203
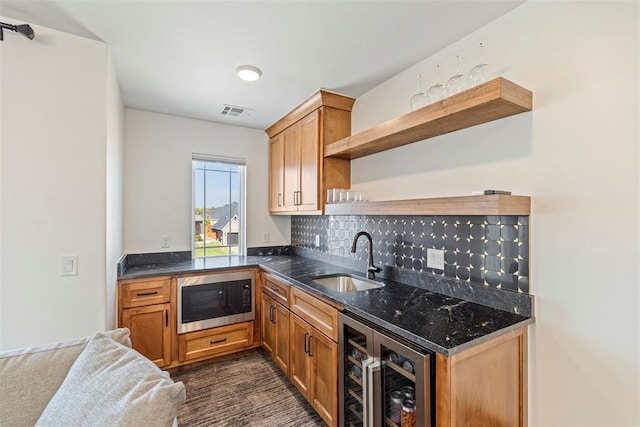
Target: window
column 218, row 214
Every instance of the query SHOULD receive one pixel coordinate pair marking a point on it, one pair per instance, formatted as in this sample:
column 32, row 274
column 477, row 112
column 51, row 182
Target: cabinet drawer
column 147, row 292
column 210, row 342
column 319, row 314
column 276, row 289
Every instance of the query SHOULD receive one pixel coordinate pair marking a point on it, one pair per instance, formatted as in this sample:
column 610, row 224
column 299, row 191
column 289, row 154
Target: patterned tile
column 492, row 250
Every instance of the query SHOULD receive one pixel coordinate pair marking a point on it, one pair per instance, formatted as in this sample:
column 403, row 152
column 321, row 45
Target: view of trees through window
column 217, row 208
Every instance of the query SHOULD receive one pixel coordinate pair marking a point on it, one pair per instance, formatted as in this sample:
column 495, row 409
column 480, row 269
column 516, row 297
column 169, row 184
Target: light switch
column 69, row 265
column 165, row 241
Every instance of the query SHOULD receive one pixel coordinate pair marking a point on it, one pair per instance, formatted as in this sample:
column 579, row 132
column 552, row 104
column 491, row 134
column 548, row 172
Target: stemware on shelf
column 419, row 100
column 437, row 91
column 458, row 82
column 480, row 73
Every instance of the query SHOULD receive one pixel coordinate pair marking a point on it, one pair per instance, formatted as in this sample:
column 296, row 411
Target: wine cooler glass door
column 356, row 343
column 405, row 384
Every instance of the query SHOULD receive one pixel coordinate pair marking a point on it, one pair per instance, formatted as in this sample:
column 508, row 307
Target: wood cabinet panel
column 276, row 174
column 150, row 331
column 319, row 314
column 324, row 354
column 485, row 385
column 309, row 167
column 145, row 292
column 209, row 342
column 299, row 362
column 281, row 345
column 291, row 165
column 276, row 289
column 267, row 325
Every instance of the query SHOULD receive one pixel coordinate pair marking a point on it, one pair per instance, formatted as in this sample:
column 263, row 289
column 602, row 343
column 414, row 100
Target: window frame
column 242, row 238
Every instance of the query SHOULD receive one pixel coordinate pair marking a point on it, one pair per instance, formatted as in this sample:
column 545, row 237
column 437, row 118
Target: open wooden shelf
column 496, row 204
column 493, row 100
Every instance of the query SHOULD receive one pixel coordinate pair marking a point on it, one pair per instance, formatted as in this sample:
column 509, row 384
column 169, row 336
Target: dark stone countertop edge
column 262, row 262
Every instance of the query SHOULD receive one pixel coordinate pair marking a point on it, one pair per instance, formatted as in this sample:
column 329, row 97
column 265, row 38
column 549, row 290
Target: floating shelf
column 496, row 204
column 493, row 100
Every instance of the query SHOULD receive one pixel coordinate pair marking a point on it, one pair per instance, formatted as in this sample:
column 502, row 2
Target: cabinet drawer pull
column 146, row 294
column 306, row 349
column 275, row 289
column 218, row 341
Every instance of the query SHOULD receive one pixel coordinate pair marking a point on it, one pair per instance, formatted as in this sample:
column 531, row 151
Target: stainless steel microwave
column 215, row 300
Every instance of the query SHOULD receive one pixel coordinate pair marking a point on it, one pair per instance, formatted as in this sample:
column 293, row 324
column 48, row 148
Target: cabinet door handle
column 166, row 318
column 310, row 354
column 275, row 289
column 217, row 341
column 271, row 314
column 306, row 350
column 299, row 197
column 146, row 294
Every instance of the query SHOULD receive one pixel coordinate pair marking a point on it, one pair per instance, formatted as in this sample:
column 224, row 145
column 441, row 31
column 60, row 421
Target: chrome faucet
column 371, row 269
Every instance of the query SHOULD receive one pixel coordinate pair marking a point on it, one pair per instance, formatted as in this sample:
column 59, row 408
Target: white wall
column 115, row 189
column 577, row 155
column 53, row 186
column 157, row 162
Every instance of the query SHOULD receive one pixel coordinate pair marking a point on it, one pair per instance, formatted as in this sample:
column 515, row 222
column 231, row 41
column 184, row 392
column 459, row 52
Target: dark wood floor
column 244, row 390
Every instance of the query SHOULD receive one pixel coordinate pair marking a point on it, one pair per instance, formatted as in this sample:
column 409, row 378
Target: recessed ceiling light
column 249, row 72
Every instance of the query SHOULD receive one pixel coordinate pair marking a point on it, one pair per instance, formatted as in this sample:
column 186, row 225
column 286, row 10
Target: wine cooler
column 383, row 382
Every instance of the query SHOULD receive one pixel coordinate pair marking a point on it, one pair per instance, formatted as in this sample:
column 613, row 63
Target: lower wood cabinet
column 313, row 368
column 145, row 307
column 275, row 332
column 485, row 385
column 214, row 342
column 150, row 331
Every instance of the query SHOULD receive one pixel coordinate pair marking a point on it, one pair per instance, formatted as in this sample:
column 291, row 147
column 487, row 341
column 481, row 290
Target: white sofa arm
column 30, row 377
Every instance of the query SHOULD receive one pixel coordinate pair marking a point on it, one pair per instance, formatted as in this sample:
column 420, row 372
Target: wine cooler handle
column 366, row 391
column 369, row 367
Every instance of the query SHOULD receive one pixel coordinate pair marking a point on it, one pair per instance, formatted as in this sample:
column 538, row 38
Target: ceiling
column 179, row 57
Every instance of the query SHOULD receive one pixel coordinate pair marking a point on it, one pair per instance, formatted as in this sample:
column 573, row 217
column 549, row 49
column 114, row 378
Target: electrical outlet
column 317, row 240
column 165, row 241
column 435, row 259
column 265, row 237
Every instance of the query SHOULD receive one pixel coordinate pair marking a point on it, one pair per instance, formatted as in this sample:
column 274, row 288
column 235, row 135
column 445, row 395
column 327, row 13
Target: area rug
column 247, row 390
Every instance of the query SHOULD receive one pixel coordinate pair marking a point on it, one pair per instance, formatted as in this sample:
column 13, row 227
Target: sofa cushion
column 31, row 376
column 110, row 384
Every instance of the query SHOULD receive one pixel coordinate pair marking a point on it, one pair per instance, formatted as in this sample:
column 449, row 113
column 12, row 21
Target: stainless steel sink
column 346, row 283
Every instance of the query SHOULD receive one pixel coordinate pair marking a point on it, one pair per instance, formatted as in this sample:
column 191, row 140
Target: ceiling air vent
column 235, row 111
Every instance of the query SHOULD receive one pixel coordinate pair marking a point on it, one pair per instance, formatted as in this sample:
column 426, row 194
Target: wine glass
column 481, row 72
column 437, row 91
column 419, row 100
column 457, row 83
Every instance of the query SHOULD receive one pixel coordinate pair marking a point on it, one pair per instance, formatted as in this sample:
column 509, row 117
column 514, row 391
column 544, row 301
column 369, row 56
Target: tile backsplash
column 490, row 250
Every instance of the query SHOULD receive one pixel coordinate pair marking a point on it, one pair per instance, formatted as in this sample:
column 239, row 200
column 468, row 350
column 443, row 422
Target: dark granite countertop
column 429, row 319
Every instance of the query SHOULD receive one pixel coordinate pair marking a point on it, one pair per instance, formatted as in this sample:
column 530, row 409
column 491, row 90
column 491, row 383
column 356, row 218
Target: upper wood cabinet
column 299, row 174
